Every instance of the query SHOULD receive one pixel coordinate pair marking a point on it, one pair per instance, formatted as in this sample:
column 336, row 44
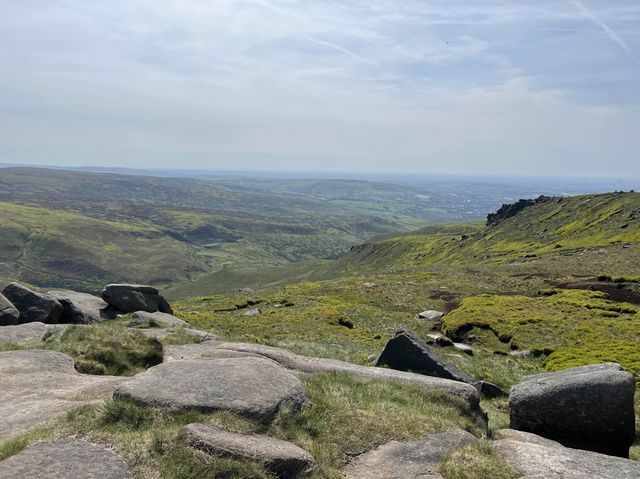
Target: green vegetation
column 102, row 349
column 346, row 415
column 476, row 461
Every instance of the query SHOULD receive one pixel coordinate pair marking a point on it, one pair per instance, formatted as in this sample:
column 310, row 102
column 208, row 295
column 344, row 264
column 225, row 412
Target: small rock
column 406, row 352
column 464, row 348
column 345, row 322
column 372, row 358
column 249, row 386
column 368, row 285
column 82, row 308
column 155, row 320
column 33, row 307
column 253, row 312
column 283, row 458
column 588, row 407
column 403, row 460
column 440, row 340
column 129, row 298
column 8, row 312
column 64, row 459
column 525, row 353
column 490, row 390
column 431, row 315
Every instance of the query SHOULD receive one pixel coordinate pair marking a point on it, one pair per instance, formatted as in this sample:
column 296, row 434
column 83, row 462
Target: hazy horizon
column 490, row 87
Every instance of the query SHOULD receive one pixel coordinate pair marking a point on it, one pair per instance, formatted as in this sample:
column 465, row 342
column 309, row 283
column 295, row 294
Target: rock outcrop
column 407, row 352
column 309, row 365
column 33, row 306
column 64, row 459
column 540, row 461
column 142, row 319
column 129, row 298
column 588, row 407
column 9, row 314
column 27, row 331
column 253, row 387
column 82, row 308
column 38, row 385
column 284, row 459
column 403, row 460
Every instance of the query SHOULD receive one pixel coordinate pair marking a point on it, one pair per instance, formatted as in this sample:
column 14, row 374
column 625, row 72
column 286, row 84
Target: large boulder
column 82, row 308
column 284, row 459
column 38, row 385
column 537, row 460
column 8, row 312
column 402, row 460
column 141, row 319
column 252, row 387
column 310, row 365
column 407, row 352
column 33, row 306
column 588, row 407
column 129, row 298
column 64, row 459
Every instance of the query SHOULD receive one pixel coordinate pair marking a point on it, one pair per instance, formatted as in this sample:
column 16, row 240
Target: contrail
column 340, row 49
column 612, row 35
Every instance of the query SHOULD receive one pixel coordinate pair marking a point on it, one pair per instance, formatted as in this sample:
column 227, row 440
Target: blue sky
column 482, row 86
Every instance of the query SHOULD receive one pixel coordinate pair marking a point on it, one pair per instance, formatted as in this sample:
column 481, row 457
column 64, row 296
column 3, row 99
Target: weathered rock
column 283, row 458
column 64, row 459
column 541, row 461
column 588, row 407
column 155, row 320
column 463, row 348
column 309, row 365
column 403, row 460
column 33, row 307
column 82, row 308
column 491, row 390
column 252, row 387
column 27, row 331
column 253, row 312
column 521, row 436
column 8, row 312
column 439, row 339
column 129, row 298
column 406, row 352
column 38, row 385
column 431, row 315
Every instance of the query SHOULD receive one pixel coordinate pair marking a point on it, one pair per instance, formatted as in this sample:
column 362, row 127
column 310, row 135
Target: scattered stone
column 345, row 323
column 154, row 333
column 82, row 308
column 368, row 285
column 540, row 461
column 490, row 390
column 252, row 387
column 63, row 459
column 155, row 320
column 402, row 460
column 253, row 312
column 525, row 353
column 406, row 352
column 129, row 298
column 8, row 312
column 283, row 458
column 309, row 365
column 33, row 307
column 38, row 385
column 431, row 315
column 372, row 358
column 588, row 407
column 464, row 348
column 439, row 339
column 24, row 332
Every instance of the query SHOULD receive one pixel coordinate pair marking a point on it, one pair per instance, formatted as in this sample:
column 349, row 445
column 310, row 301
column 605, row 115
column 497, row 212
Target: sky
column 544, row 87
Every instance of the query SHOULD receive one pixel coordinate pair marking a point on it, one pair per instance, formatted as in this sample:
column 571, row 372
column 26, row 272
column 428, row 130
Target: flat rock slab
column 283, row 458
column 64, row 459
column 521, row 436
column 588, row 407
column 552, row 462
column 27, row 331
column 309, row 365
column 38, row 385
column 403, row 460
column 251, row 387
column 155, row 320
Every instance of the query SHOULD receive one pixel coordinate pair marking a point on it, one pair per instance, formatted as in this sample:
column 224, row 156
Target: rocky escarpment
column 512, row 209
